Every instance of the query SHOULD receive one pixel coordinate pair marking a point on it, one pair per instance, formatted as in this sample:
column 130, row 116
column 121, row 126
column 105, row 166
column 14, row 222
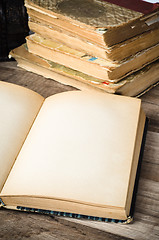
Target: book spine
column 73, row 215
column 66, row 214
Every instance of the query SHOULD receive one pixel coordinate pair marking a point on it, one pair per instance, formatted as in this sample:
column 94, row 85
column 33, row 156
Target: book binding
column 66, row 214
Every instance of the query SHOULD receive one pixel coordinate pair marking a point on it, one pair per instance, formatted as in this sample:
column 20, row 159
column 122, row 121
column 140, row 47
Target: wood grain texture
column 22, row 225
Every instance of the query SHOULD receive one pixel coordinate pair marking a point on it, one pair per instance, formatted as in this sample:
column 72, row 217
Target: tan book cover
column 99, row 21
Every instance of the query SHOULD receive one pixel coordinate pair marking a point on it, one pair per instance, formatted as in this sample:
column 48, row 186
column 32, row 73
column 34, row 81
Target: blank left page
column 18, row 108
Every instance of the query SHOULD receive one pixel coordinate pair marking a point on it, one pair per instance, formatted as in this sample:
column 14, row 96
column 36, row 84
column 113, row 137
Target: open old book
column 74, row 152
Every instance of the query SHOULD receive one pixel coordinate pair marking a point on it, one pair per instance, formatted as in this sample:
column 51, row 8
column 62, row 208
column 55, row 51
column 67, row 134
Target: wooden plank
column 150, row 163
column 152, row 96
column 138, row 230
column 147, row 201
column 45, row 87
column 22, row 225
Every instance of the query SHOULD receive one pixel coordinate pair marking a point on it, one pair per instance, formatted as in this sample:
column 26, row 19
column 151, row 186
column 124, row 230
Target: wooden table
column 22, row 225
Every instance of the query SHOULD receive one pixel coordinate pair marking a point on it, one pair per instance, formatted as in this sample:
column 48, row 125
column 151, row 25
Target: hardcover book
column 103, row 69
column 105, row 23
column 115, row 53
column 73, row 152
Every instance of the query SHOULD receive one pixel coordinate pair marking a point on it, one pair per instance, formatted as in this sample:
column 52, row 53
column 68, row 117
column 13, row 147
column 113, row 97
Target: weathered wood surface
column 18, row 225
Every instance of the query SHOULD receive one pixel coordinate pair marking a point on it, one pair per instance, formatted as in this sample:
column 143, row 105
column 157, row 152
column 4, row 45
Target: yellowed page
column 80, row 148
column 18, row 108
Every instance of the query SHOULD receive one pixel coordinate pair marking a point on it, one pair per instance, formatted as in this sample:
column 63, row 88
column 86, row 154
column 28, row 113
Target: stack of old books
column 93, row 44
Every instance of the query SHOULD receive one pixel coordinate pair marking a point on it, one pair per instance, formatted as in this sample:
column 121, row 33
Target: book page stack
column 93, row 44
column 73, row 154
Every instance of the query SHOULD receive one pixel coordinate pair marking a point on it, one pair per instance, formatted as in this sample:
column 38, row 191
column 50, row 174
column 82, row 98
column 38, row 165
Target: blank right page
column 80, row 148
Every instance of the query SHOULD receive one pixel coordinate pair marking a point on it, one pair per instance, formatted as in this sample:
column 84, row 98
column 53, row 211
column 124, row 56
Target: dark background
column 13, row 26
